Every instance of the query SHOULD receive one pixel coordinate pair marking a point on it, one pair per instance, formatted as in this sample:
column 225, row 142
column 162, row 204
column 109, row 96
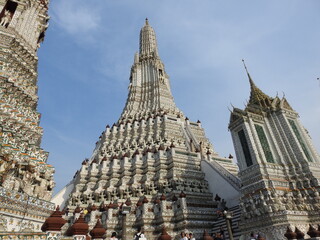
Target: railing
column 22, row 201
column 233, row 180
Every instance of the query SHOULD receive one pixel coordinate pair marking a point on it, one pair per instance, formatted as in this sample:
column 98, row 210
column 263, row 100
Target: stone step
column 221, row 222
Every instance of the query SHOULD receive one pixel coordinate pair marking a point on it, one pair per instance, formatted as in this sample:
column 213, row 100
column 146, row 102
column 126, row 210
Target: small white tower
column 279, row 167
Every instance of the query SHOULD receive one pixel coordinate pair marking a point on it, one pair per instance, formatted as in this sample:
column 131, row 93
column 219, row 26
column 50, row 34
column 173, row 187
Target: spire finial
column 147, row 22
column 245, row 67
column 250, row 79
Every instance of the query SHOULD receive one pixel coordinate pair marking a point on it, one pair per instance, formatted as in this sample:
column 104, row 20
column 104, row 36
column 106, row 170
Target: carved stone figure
column 87, row 194
column 300, row 202
column 152, row 188
column 316, row 199
column 6, row 165
column 288, row 202
column 265, row 208
column 139, row 191
column 16, row 184
column 254, row 209
column 9, row 181
column 40, row 187
column 6, row 18
column 127, row 192
column 245, row 213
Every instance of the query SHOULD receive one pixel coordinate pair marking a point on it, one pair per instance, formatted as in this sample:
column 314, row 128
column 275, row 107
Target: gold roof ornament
column 257, row 97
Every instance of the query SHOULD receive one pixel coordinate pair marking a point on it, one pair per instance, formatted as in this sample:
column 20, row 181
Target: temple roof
column 258, row 102
column 257, row 97
column 98, row 231
column 54, row 222
column 79, row 227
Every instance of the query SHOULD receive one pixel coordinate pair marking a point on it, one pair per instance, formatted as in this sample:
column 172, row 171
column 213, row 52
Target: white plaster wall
column 62, row 196
column 219, row 185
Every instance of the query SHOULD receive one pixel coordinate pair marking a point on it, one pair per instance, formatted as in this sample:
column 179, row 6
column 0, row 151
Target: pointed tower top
column 245, row 67
column 252, row 84
column 149, row 89
column 256, row 95
column 148, row 41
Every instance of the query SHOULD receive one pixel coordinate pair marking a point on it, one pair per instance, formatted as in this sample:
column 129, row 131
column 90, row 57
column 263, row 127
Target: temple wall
column 219, row 185
column 61, row 197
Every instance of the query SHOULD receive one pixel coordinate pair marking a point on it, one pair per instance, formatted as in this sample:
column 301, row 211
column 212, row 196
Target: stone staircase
column 221, row 222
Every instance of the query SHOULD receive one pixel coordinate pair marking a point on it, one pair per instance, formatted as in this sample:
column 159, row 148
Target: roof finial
column 147, row 22
column 245, row 67
column 250, row 79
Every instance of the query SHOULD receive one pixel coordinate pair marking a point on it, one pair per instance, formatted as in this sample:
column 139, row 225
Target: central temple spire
column 149, row 88
column 148, row 158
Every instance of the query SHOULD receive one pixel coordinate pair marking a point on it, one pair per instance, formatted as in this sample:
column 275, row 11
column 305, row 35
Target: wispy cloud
column 66, row 139
column 76, row 16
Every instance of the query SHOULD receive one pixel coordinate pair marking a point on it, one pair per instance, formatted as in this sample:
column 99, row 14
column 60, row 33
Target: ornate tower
column 149, row 161
column 279, row 167
column 149, row 83
column 25, row 178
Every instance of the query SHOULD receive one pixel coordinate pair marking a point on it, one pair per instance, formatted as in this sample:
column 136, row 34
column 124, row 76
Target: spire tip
column 245, row 67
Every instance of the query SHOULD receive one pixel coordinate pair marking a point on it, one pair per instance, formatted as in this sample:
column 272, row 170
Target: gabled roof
column 259, row 102
column 257, row 97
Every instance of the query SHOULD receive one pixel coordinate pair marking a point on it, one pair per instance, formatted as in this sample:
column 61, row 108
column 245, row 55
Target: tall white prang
column 145, row 170
column 26, row 180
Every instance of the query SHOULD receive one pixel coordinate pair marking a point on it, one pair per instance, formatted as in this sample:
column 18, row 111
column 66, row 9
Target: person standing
column 183, row 236
column 114, row 236
column 252, row 237
column 222, row 232
column 191, row 237
column 85, row 211
column 139, row 235
column 67, row 211
column 218, row 237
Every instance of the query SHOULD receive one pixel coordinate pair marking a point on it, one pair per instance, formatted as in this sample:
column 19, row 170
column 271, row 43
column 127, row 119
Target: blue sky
column 85, row 61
